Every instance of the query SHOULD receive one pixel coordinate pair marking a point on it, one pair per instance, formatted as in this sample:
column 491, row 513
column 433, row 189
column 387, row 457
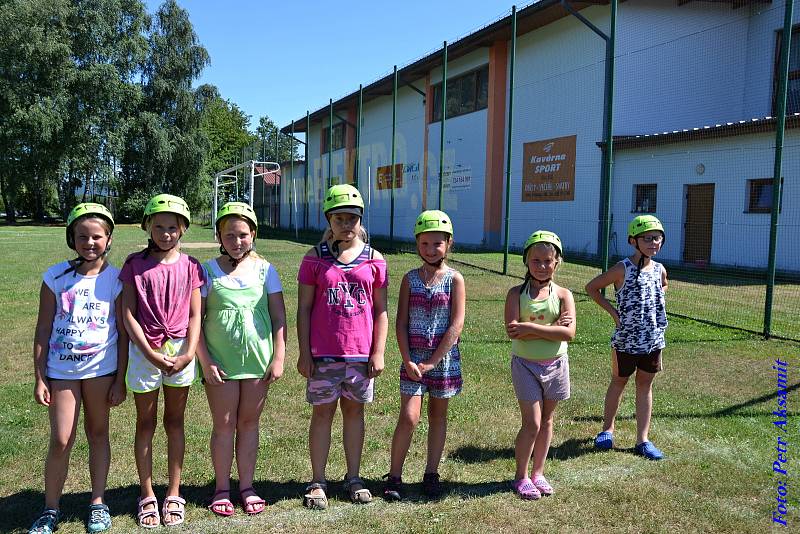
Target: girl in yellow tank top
column 540, row 320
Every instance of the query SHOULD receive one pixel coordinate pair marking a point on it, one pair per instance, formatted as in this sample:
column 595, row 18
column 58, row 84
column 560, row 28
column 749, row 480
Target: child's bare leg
column 146, row 419
column 542, row 444
column 95, row 424
column 252, row 395
column 531, row 419
column 223, row 401
column 174, row 410
column 353, row 435
column 319, row 439
column 644, row 404
column 407, row 421
column 437, row 432
column 65, row 405
column 613, row 398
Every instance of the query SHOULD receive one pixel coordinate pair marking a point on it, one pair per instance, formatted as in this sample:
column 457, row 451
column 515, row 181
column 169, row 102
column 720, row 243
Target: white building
column 688, row 71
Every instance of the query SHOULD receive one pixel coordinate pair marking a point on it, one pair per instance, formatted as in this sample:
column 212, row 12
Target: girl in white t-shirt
column 79, row 355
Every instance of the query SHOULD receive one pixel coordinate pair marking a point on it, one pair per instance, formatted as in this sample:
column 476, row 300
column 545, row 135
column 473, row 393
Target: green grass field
column 712, row 417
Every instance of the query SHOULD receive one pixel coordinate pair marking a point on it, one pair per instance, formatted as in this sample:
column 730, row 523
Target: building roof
column 728, row 129
column 532, row 17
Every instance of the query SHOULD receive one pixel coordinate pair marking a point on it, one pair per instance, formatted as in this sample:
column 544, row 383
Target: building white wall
column 740, row 238
column 465, row 152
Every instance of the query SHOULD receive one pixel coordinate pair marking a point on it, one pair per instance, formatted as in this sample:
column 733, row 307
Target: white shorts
column 144, row 377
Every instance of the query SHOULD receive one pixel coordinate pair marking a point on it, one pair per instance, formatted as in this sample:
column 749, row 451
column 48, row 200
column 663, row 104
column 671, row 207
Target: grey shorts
column 332, row 380
column 535, row 381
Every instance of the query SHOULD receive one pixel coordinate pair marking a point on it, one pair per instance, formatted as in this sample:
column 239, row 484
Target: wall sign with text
column 383, row 180
column 548, row 170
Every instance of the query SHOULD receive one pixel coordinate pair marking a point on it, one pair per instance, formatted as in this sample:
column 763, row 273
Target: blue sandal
column 649, row 451
column 604, row 441
column 99, row 518
column 47, row 522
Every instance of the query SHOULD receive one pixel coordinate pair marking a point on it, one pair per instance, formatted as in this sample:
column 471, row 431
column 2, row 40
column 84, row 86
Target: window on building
column 644, row 198
column 339, row 133
column 465, row 94
column 759, row 195
column 793, row 88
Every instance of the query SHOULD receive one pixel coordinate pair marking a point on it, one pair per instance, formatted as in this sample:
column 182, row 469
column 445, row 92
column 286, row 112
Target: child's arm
column 511, row 313
column 380, row 328
column 616, row 276
column 401, row 330
column 189, row 347
column 212, row 373
column 135, row 332
column 305, row 301
column 664, row 282
column 41, row 344
column 277, row 314
column 116, row 395
column 556, row 331
column 458, row 300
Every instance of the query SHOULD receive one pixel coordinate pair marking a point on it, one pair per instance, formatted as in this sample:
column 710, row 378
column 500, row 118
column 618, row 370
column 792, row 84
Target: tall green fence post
column 780, row 125
column 443, row 94
column 330, row 142
column 394, row 130
column 308, row 136
column 608, row 137
column 510, row 132
column 358, row 134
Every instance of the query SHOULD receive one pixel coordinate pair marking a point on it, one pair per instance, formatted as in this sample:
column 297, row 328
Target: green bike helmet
column 541, row 236
column 83, row 209
column 164, row 203
column 644, row 223
column 433, row 221
column 240, row 209
column 343, row 198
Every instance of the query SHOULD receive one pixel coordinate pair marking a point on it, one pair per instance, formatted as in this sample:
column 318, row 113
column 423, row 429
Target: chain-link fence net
column 694, row 143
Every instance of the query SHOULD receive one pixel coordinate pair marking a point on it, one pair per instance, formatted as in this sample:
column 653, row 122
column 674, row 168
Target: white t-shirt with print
column 83, row 342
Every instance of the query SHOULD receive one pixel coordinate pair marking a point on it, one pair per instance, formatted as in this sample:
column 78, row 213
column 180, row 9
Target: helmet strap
column 234, row 261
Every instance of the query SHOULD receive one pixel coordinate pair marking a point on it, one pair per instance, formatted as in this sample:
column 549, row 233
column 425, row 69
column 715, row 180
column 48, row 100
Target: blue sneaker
column 649, row 451
column 99, row 518
column 604, row 441
column 47, row 522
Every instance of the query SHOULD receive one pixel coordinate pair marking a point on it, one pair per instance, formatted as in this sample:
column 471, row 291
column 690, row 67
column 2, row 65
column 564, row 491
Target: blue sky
column 282, row 58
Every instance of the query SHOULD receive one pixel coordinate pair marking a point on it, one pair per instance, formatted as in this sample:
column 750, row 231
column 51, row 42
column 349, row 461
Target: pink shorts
column 332, row 380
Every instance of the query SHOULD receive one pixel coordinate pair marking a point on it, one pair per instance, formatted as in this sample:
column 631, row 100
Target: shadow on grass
column 732, row 410
column 19, row 510
column 567, row 450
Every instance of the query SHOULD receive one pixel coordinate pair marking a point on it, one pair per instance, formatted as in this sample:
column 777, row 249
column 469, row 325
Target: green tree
column 165, row 144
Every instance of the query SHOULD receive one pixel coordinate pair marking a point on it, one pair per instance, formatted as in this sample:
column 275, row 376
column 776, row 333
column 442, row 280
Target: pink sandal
column 142, row 514
column 221, row 507
column 526, row 490
column 256, row 503
column 542, row 485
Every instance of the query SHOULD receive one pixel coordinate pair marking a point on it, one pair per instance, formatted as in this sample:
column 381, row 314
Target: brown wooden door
column 699, row 226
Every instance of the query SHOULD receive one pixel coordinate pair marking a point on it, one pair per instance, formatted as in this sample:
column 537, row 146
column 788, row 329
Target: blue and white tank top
column 642, row 311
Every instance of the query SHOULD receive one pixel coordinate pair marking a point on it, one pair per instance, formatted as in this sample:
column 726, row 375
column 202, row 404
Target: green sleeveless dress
column 237, row 326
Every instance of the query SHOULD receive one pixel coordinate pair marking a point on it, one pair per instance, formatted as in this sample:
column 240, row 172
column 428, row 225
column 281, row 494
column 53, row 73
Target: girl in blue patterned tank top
column 641, row 319
column 430, row 316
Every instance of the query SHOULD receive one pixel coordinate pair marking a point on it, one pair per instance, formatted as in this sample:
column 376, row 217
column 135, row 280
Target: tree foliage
column 97, row 102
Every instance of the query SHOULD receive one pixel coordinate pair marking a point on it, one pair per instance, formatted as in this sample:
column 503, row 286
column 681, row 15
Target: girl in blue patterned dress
column 430, row 316
column 641, row 321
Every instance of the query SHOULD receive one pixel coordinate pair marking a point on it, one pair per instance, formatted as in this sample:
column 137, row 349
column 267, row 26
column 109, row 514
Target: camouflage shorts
column 332, row 380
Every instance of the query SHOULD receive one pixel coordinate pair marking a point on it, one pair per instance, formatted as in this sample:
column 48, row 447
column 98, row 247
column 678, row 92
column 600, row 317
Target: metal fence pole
column 358, row 134
column 780, row 125
column 308, row 136
column 510, row 132
column 443, row 94
column 608, row 154
column 330, row 142
column 394, row 130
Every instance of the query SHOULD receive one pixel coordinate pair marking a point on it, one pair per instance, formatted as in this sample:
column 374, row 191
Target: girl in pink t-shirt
column 341, row 329
column 161, row 311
